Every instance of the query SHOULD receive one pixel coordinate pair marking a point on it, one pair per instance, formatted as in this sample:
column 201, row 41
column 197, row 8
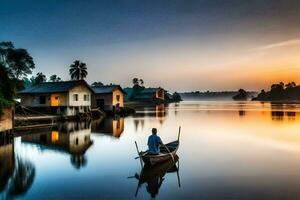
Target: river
column 228, row 150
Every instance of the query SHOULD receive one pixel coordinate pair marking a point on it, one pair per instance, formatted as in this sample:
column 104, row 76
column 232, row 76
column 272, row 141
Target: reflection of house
column 156, row 95
column 73, row 138
column 109, row 126
column 67, row 97
column 108, row 97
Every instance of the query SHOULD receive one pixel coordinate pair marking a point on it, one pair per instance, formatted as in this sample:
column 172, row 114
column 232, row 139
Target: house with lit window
column 67, row 98
column 108, row 98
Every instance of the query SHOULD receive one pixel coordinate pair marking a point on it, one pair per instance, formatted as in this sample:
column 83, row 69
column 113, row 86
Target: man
column 153, row 142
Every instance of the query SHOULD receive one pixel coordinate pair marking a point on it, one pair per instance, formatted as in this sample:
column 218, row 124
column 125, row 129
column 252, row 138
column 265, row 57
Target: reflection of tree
column 242, row 113
column 291, row 115
column 21, row 179
column 277, row 115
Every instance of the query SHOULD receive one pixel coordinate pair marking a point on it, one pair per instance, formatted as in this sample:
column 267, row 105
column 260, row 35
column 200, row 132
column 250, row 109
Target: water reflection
column 69, row 137
column 279, row 112
column 157, row 112
column 153, row 176
column 112, row 126
column 16, row 174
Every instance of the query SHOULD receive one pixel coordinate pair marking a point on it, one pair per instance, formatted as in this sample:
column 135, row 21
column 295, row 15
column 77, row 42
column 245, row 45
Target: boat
column 167, row 152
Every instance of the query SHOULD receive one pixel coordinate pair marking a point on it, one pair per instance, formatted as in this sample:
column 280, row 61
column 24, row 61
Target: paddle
column 137, row 148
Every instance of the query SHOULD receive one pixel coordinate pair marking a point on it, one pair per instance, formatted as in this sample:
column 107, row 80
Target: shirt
column 153, row 144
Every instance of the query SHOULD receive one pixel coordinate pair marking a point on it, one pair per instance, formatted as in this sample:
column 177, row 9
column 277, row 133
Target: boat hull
column 163, row 156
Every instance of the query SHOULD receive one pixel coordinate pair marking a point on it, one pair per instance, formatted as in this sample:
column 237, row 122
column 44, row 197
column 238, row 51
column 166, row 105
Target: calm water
column 228, row 150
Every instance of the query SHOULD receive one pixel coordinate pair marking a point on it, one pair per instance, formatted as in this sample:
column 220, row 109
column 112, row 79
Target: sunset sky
column 180, row 45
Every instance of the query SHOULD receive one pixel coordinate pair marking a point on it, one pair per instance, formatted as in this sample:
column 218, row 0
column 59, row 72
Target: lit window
column 75, row 97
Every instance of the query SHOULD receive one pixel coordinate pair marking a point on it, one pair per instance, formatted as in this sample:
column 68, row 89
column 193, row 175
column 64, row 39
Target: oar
column 179, row 133
column 137, row 148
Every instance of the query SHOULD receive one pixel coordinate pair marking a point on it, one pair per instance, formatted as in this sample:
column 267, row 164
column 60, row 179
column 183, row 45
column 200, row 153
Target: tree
column 135, row 81
column 141, row 82
column 17, row 60
column 7, row 87
column 40, row 78
column 97, row 84
column 54, row 78
column 176, row 97
column 78, row 70
column 242, row 95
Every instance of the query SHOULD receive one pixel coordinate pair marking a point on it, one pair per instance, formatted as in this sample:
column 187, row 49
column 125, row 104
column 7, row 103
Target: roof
column 150, row 90
column 54, row 87
column 106, row 89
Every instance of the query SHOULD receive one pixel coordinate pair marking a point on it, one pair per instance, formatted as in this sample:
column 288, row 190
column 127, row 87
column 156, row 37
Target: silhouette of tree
column 54, row 78
column 135, row 81
column 7, row 88
column 141, row 82
column 242, row 95
column 97, row 84
column 40, row 78
column 78, row 70
column 17, row 60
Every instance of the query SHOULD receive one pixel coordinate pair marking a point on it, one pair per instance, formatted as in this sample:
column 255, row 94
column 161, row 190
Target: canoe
column 164, row 155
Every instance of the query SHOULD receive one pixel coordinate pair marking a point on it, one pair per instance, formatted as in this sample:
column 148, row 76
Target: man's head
column 154, row 131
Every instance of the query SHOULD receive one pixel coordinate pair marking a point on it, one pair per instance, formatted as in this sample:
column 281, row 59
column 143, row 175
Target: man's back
column 153, row 144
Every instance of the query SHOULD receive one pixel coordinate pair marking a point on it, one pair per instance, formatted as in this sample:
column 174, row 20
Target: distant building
column 108, row 97
column 156, row 95
column 66, row 97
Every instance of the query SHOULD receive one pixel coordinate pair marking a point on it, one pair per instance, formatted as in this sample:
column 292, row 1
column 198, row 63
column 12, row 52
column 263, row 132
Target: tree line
column 280, row 92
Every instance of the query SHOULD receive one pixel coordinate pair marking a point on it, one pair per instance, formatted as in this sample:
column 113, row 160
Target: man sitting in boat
column 154, row 142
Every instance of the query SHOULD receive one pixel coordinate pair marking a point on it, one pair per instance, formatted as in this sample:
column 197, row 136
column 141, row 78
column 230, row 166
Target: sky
column 181, row 45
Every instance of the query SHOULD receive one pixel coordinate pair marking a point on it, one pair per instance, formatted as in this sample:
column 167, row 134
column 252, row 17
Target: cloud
column 280, row 44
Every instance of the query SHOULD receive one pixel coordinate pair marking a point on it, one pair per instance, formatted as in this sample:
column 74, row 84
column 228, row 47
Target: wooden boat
column 167, row 152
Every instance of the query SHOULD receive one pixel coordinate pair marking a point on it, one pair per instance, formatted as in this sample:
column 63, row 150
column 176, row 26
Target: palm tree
column 78, row 70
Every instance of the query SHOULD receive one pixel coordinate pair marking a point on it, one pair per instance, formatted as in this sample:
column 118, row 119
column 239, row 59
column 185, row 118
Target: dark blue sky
column 150, row 39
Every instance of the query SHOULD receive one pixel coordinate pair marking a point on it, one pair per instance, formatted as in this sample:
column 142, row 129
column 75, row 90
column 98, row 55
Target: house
column 108, row 98
column 156, row 95
column 67, row 97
